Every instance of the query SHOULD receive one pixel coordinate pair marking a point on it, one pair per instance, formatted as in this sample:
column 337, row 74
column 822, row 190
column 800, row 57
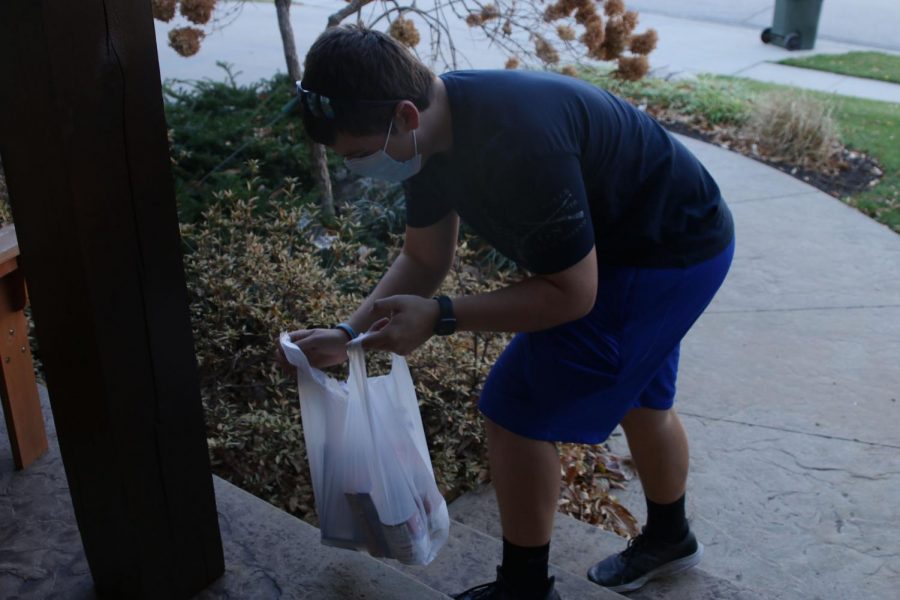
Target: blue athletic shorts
column 575, row 382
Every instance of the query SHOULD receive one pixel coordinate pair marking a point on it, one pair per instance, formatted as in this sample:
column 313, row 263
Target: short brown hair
column 363, row 73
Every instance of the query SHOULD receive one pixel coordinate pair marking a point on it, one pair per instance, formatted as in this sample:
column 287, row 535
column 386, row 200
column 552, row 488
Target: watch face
column 446, row 326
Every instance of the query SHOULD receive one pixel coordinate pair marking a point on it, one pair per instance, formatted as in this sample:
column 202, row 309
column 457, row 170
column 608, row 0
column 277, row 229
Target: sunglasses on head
column 323, row 107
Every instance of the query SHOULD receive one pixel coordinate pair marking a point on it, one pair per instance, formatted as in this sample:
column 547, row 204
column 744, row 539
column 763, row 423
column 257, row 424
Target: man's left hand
column 404, row 323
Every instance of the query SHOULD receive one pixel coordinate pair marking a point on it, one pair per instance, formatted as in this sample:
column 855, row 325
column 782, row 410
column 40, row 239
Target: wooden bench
column 18, row 388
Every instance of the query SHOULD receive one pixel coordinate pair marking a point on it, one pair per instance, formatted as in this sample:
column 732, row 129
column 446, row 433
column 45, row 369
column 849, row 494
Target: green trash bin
column 795, row 24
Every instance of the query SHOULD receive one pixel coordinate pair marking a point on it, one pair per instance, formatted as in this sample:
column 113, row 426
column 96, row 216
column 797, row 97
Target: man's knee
column 501, row 438
column 642, row 420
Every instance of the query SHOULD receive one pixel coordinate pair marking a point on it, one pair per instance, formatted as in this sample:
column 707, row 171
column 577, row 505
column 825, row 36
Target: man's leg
column 659, row 448
column 526, row 479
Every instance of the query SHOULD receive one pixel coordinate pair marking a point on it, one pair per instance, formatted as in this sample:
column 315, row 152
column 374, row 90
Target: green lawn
column 874, row 128
column 866, row 125
column 872, row 65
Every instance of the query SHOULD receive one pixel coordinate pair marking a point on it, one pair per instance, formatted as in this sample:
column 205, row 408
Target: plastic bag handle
column 357, row 357
column 298, row 359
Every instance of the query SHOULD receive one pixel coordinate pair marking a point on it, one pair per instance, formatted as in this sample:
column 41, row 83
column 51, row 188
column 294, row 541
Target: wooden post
column 83, row 143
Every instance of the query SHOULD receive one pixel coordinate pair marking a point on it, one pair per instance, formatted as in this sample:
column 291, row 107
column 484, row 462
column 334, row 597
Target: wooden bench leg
column 18, row 387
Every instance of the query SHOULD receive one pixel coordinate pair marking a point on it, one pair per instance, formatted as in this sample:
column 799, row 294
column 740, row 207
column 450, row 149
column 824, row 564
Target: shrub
column 209, row 120
column 250, row 276
column 253, row 273
column 795, row 128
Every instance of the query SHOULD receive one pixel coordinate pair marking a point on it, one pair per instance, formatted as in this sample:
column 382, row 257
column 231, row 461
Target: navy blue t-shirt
column 544, row 166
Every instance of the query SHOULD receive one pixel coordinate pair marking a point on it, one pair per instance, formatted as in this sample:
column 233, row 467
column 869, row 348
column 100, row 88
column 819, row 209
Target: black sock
column 666, row 522
column 525, row 568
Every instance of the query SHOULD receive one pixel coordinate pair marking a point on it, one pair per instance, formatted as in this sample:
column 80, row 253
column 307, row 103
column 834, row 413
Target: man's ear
column 406, row 117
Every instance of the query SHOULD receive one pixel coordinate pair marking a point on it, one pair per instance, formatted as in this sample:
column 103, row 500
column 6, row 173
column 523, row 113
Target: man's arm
column 536, row 303
column 539, row 302
column 420, row 268
column 544, row 203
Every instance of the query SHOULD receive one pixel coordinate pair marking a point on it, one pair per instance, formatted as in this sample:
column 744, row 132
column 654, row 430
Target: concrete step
column 470, row 558
column 269, row 554
column 272, row 554
column 576, row 546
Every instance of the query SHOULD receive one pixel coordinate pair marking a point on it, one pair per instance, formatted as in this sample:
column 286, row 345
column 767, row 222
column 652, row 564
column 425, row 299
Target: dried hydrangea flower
column 186, row 40
column 586, row 14
column 474, row 19
column 545, row 50
column 614, row 7
column 553, row 12
column 405, row 32
column 593, row 38
column 632, row 68
column 565, row 33
column 488, row 12
column 630, row 19
column 616, row 39
column 644, row 43
column 164, row 10
column 198, row 11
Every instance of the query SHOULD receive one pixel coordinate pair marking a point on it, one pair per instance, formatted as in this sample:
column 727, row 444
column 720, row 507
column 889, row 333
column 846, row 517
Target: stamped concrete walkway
column 790, row 391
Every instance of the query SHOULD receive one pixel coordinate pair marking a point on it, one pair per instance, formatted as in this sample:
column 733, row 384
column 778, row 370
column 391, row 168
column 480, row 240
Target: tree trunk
column 317, row 151
column 283, row 8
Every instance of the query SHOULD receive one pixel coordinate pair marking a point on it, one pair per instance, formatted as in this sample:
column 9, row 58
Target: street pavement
column 872, row 23
column 710, row 36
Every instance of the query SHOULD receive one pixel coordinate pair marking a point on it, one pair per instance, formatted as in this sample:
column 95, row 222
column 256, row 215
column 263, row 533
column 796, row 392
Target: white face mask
column 380, row 165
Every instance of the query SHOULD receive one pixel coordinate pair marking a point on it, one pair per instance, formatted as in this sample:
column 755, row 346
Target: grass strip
column 870, row 65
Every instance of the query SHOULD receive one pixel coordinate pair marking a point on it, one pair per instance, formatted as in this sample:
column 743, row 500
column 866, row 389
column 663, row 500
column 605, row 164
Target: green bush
column 252, row 274
column 209, row 120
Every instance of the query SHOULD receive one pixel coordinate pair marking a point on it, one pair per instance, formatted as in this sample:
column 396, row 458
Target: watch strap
column 446, row 323
column 346, row 328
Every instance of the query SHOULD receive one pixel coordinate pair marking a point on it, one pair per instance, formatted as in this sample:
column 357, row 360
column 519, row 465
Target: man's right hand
column 322, row 347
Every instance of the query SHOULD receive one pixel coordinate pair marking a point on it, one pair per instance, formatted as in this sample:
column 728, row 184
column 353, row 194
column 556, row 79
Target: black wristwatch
column 446, row 321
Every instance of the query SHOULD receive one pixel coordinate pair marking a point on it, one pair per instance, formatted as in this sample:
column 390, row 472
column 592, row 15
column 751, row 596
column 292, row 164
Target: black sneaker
column 645, row 559
column 500, row 590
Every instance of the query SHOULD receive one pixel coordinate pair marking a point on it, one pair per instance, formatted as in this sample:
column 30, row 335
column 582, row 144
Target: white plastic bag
column 371, row 473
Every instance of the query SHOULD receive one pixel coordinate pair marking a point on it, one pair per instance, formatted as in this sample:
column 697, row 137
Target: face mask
column 380, row 165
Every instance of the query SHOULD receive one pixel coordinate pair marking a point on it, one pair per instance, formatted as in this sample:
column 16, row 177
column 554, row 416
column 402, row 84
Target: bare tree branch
column 354, row 6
